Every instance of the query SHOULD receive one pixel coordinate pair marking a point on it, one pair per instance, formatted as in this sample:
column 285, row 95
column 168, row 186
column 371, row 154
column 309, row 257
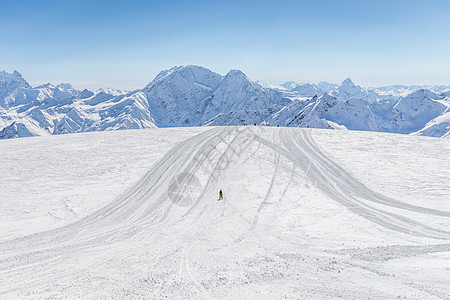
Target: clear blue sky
column 124, row 44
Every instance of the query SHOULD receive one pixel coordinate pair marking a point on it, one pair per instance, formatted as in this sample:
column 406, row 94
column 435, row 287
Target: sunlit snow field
column 307, row 213
column 51, row 181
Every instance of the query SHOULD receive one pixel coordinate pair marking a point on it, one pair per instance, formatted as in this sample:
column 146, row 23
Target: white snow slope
column 195, row 96
column 307, row 213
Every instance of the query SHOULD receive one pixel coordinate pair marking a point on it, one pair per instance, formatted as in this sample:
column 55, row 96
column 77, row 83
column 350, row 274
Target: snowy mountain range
column 195, row 96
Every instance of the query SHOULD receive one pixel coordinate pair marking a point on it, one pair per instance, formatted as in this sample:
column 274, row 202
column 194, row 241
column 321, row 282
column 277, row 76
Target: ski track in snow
column 144, row 233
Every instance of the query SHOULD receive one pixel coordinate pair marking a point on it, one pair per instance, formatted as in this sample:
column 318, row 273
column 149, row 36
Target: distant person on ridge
column 220, row 194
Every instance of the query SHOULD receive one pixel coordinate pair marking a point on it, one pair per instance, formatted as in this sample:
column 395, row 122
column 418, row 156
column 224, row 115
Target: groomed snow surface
column 307, row 214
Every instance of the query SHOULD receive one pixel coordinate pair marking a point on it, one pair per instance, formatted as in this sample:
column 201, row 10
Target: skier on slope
column 220, row 194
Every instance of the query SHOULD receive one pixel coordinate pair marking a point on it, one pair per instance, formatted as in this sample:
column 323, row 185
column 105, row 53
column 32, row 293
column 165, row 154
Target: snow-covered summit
column 236, row 81
column 347, row 82
column 417, row 109
column 175, row 94
column 9, row 82
column 85, row 94
column 14, row 77
column 65, row 86
column 111, row 91
column 236, row 74
column 186, row 74
column 239, row 100
column 348, row 90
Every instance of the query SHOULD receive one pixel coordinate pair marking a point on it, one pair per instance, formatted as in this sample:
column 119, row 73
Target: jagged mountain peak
column 46, row 85
column 85, row 94
column 62, row 86
column 348, row 90
column 15, row 74
column 348, row 82
column 65, row 86
column 9, row 84
column 13, row 79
